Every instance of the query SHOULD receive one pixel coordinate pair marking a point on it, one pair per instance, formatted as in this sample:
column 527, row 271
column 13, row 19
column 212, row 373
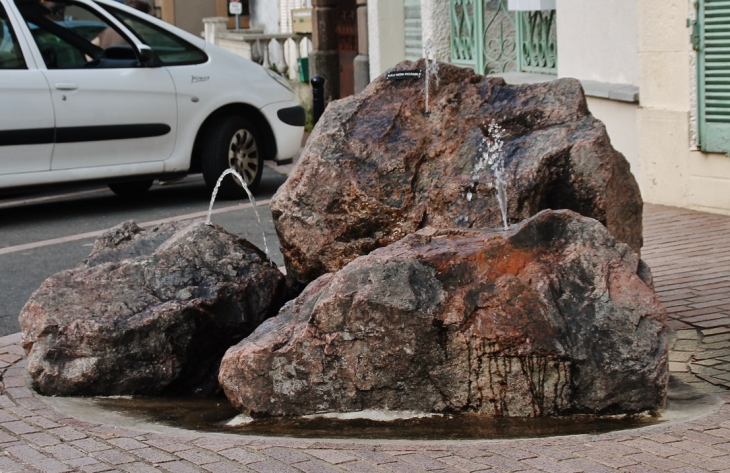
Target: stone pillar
column 324, row 60
column 362, row 60
column 436, row 26
column 213, row 26
column 386, row 41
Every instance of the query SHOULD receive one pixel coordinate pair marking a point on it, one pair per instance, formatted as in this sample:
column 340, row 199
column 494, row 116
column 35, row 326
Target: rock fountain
column 422, row 286
column 414, row 301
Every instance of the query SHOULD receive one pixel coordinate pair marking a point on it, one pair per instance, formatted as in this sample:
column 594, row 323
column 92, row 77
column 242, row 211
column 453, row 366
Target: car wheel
column 131, row 188
column 232, row 143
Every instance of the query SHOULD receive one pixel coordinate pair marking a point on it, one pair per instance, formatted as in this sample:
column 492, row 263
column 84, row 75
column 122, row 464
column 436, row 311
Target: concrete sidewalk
column 689, row 253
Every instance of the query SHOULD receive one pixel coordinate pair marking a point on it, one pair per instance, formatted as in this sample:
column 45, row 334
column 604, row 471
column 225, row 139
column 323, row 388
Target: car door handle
column 66, row 86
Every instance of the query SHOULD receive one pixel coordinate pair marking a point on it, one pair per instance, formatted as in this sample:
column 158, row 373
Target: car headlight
column 279, row 79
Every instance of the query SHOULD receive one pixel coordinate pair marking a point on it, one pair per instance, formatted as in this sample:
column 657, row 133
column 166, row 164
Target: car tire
column 232, row 142
column 131, row 188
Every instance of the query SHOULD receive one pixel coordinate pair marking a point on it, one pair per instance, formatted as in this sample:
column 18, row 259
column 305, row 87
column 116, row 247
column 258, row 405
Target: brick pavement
column 691, row 277
column 689, row 254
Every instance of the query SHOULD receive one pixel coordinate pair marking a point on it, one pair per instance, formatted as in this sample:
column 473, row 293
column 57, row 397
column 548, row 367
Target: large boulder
column 376, row 168
column 549, row 318
column 148, row 312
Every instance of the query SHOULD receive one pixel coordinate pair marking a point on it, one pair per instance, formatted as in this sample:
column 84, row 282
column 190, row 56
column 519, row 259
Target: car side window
column 11, row 57
column 69, row 35
column 170, row 49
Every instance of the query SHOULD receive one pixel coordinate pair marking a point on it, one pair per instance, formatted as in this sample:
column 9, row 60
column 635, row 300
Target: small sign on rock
column 400, row 75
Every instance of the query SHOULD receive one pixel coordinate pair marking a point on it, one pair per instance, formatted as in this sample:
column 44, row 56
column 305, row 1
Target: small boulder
column 548, row 318
column 376, row 168
column 148, row 312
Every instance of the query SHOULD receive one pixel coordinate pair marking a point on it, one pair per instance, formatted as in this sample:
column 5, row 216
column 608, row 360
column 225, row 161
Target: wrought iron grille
column 489, row 38
column 500, row 38
column 465, row 14
column 538, row 41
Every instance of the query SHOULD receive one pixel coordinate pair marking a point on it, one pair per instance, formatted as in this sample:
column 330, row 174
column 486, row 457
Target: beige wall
column 673, row 172
column 597, row 40
column 188, row 14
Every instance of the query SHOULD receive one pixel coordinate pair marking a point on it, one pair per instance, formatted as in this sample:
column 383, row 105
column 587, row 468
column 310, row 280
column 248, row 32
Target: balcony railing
column 274, row 51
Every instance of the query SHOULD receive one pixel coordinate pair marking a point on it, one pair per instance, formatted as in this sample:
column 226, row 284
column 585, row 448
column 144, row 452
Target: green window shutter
column 713, row 33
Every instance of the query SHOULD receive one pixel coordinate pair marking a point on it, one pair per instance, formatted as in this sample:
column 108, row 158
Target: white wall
column 436, row 26
column 386, row 38
column 622, row 124
column 598, row 40
column 265, row 15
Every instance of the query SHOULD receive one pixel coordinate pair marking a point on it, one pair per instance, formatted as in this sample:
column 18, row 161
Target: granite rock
column 376, row 168
column 148, row 312
column 548, row 318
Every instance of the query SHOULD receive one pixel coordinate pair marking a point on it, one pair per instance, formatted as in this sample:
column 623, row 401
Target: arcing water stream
column 250, row 196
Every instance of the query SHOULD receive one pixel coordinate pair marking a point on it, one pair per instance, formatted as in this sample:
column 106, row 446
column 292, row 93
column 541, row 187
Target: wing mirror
column 147, row 57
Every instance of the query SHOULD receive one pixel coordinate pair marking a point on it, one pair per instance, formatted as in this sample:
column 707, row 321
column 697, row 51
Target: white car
column 159, row 103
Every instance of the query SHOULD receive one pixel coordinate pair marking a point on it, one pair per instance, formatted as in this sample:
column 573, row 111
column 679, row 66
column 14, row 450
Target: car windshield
column 170, row 49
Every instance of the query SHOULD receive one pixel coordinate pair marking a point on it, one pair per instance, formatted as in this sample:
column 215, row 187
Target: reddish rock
column 548, row 318
column 148, row 312
column 376, row 168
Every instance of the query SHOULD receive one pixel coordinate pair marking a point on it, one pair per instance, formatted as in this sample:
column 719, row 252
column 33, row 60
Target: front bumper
column 288, row 137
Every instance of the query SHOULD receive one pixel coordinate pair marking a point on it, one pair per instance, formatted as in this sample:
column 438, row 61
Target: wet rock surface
column 548, row 318
column 148, row 312
column 376, row 168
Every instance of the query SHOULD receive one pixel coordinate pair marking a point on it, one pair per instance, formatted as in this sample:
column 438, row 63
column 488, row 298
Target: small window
column 170, row 49
column 10, row 55
column 70, row 35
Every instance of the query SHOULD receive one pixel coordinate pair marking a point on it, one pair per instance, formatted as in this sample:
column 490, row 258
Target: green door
column 712, row 40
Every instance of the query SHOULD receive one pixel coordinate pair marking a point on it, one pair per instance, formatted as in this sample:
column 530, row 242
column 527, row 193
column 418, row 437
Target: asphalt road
column 43, row 233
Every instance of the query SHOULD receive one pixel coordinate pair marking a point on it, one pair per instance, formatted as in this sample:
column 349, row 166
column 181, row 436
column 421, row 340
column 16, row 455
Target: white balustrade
column 282, row 50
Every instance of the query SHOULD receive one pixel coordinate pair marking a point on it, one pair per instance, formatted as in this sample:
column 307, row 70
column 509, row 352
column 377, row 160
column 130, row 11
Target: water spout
column 431, row 70
column 250, row 196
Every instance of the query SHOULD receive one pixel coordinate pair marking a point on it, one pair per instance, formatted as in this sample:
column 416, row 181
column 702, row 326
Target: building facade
column 684, row 118
column 656, row 72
